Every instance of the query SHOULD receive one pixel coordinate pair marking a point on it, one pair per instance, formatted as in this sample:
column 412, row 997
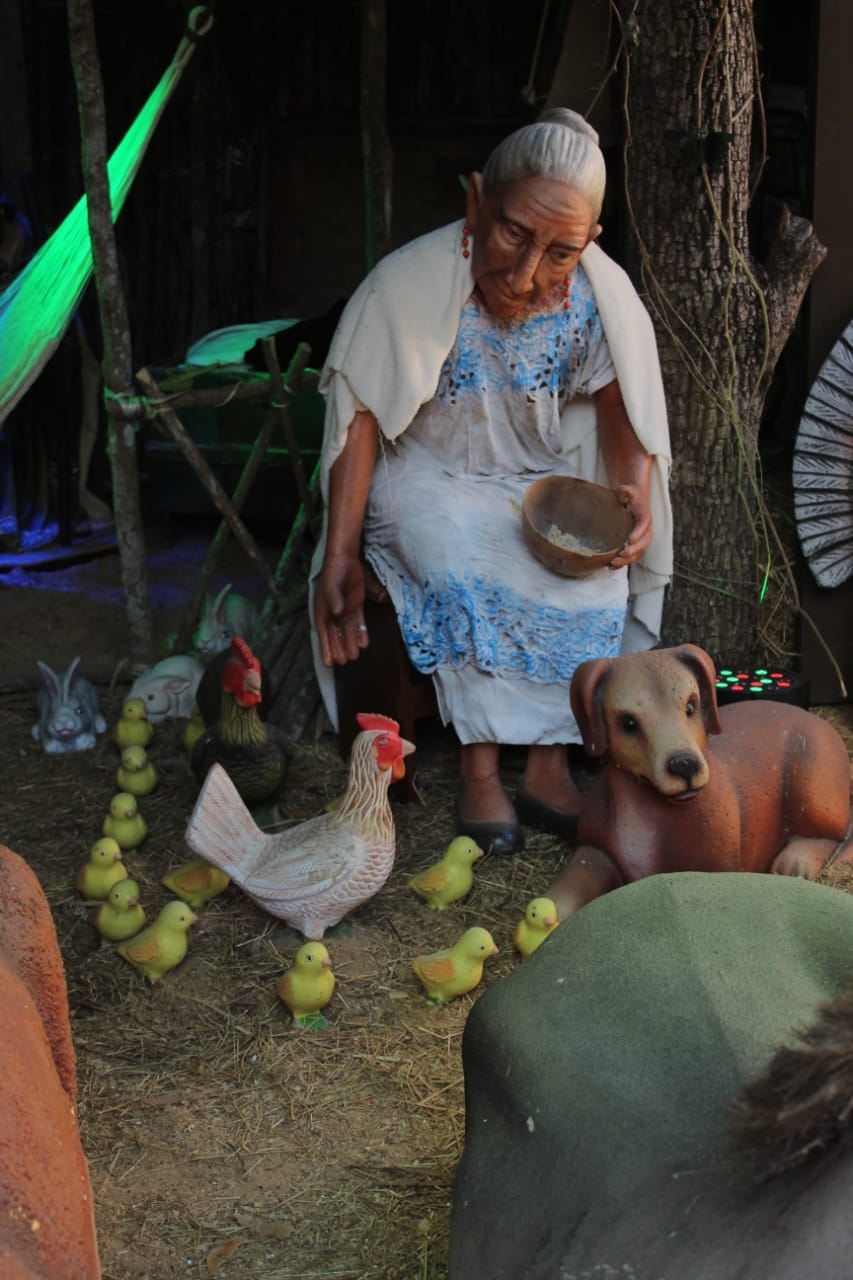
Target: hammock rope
column 36, row 309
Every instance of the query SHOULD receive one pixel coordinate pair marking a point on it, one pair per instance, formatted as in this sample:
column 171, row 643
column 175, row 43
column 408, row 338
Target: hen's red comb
column 242, row 651
column 367, row 720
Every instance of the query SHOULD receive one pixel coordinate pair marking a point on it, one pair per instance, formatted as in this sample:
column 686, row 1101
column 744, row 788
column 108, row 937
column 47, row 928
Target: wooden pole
column 117, row 362
column 375, row 146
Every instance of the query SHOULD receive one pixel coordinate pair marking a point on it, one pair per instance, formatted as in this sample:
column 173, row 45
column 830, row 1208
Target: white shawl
column 400, row 325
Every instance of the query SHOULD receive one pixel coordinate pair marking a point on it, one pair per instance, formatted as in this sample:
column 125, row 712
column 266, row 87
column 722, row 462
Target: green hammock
column 37, row 307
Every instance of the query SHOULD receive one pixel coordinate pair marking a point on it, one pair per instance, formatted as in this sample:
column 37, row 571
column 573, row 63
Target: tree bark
column 117, row 361
column 721, row 318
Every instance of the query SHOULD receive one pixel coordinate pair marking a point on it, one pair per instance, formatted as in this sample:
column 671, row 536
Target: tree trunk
column 721, row 319
column 117, row 362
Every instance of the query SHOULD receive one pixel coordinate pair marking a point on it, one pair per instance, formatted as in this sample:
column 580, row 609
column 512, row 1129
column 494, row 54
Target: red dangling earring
column 567, row 292
column 466, row 252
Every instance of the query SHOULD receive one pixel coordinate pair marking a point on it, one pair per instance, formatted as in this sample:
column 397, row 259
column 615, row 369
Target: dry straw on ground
column 221, row 1139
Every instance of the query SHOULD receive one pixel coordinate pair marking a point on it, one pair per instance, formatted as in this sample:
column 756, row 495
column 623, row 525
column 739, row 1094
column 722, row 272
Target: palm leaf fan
column 823, row 468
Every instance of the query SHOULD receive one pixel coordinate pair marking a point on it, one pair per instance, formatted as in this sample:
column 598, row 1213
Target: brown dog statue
column 769, row 791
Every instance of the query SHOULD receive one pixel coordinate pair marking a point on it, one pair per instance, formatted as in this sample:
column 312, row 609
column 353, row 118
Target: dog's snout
column 683, row 765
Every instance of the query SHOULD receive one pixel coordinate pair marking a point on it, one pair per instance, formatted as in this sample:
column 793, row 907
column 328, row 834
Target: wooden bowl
column 587, row 515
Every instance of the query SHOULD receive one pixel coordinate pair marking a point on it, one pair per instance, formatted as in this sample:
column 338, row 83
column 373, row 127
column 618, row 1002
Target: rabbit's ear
column 218, row 610
column 51, row 681
column 68, row 679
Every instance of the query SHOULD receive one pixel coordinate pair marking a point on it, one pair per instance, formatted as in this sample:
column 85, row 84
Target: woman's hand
column 633, row 499
column 338, row 609
column 341, row 587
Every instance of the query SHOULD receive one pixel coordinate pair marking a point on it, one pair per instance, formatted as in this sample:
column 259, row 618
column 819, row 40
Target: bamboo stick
column 169, row 424
column 282, row 682
column 283, row 393
column 288, row 555
column 133, row 407
column 299, row 677
column 274, row 639
column 220, row 538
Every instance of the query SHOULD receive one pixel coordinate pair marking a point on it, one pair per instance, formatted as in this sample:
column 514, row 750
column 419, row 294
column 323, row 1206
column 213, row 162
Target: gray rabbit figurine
column 69, row 718
column 223, row 617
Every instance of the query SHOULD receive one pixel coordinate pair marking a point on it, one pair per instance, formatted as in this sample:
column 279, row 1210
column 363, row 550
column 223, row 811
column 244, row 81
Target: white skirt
column 500, row 634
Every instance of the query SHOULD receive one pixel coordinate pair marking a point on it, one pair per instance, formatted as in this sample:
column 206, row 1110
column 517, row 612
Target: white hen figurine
column 315, row 873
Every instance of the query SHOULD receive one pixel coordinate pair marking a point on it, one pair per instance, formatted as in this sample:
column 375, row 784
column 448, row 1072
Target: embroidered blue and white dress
column 500, row 634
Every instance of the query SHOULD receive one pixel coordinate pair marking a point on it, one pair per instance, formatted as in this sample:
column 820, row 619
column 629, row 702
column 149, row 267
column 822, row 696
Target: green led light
column 36, row 308
column 725, row 671
column 761, row 671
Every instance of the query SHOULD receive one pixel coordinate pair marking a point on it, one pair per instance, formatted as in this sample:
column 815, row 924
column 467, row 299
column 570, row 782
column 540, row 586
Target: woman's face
column 528, row 237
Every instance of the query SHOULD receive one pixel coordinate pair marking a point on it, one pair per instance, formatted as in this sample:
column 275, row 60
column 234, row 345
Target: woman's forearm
column 625, row 459
column 349, row 486
column 629, row 470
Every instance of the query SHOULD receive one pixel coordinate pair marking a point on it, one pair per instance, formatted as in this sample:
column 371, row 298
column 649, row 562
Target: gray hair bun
column 570, row 119
column 559, row 145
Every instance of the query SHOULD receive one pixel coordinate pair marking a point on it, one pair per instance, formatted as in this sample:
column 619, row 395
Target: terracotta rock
column 47, row 1229
column 689, row 786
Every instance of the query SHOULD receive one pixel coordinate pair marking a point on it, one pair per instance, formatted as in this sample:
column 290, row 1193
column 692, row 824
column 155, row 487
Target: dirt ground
column 220, row 1139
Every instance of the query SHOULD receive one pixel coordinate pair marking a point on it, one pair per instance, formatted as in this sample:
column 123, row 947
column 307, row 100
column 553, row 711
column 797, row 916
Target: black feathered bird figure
column 254, row 754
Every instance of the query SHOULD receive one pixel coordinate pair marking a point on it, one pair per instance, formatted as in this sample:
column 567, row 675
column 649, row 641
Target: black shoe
column 535, row 813
column 492, row 837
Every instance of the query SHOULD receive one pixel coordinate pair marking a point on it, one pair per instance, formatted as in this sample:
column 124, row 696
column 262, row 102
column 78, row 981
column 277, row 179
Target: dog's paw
column 802, row 858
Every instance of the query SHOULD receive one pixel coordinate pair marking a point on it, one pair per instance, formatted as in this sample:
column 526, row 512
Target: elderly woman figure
column 468, row 364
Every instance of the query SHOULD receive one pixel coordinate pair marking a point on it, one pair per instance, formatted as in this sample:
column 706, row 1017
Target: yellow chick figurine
column 451, row 878
column 124, row 822
column 133, row 728
column 122, row 915
column 196, row 882
column 163, row 944
column 447, row 974
column 103, row 869
column 193, row 730
column 308, row 986
column 539, row 919
column 136, row 774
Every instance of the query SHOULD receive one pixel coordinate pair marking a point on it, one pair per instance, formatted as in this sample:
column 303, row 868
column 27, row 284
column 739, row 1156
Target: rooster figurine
column 315, row 873
column 253, row 754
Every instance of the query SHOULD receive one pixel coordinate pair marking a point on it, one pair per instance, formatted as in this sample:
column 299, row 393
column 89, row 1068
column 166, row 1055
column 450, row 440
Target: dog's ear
column 586, row 689
column 702, row 666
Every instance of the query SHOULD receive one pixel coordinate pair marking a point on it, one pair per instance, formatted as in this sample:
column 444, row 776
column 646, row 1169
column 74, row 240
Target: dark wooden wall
column 249, row 202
